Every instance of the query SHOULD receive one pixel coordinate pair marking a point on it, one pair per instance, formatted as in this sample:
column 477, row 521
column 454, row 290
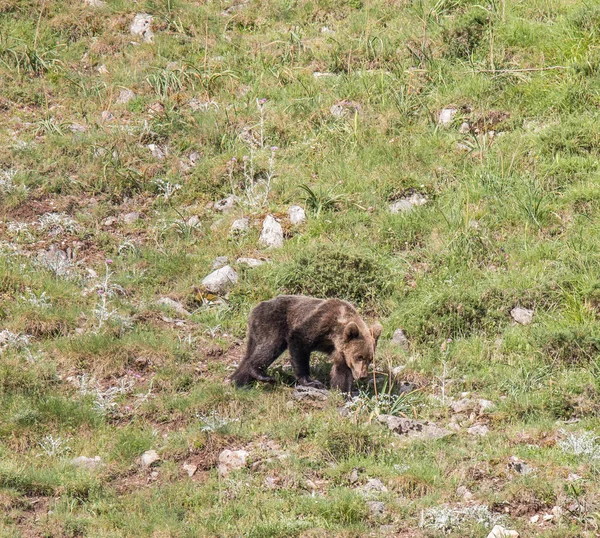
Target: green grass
column 91, row 365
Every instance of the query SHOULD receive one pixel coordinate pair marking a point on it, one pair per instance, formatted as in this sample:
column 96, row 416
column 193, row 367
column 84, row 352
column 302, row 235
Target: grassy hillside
column 115, row 150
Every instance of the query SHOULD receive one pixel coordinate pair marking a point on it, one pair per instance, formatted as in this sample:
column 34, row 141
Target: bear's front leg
column 341, row 376
column 300, row 357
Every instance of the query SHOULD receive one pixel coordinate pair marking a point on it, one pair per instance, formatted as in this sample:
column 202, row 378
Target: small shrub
column 466, row 34
column 343, row 440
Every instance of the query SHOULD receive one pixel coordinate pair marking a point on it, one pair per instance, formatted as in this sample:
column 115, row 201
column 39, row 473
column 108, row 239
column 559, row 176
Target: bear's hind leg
column 259, row 356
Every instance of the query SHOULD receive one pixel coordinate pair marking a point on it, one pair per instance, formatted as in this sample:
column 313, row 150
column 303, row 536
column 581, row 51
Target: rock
column 130, row 218
column 464, row 493
column 302, row 393
column 519, row 466
column 387, row 530
column 250, row 262
column 446, row 116
column 87, row 463
column 226, row 204
column 110, row 221
column 464, row 405
column 397, row 370
column 337, row 111
column 271, row 235
column 195, row 157
column 297, row 215
column 221, row 280
column 190, row 468
column 463, row 147
column 522, row 315
column 149, row 457
column 107, row 115
column 500, row 532
column 103, row 70
column 485, row 405
column 406, row 387
column 353, row 478
column 318, row 74
column 240, row 226
column 414, row 429
column 175, row 305
column 534, row 519
column 77, row 128
column 142, row 26
column 94, row 3
column 158, row 152
column 407, row 204
column 376, row 508
column 465, row 128
column 373, row 485
column 125, row 96
column 400, row 339
column 478, row 429
column 231, row 460
column 220, row 261
column 193, row 221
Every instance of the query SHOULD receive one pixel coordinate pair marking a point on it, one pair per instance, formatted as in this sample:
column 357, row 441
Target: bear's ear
column 376, row 331
column 351, row 331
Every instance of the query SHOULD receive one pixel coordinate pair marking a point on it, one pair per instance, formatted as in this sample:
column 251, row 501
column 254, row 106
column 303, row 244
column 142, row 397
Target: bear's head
column 358, row 347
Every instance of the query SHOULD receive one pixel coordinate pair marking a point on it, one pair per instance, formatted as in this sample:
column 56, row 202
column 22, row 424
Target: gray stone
column 110, row 221
column 478, row 429
column 400, row 339
column 373, row 485
column 77, row 128
column 125, row 96
column 500, row 532
column 87, row 463
column 193, row 221
column 465, row 128
column 297, row 215
column 174, row 305
column 107, row 115
column 271, row 235
column 195, row 158
column 226, row 204
column 519, row 466
column 408, row 203
column 464, row 405
column 219, row 261
column 158, row 152
column 250, row 262
column 230, row 460
column 94, row 3
column 302, row 393
column 142, row 26
column 149, row 457
column 414, row 429
column 221, row 280
column 130, row 218
column 446, row 116
column 240, row 226
column 190, row 469
column 376, row 508
column 523, row 316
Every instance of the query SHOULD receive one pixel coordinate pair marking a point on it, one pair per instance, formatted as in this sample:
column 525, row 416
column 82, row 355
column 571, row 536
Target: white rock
column 221, row 280
column 193, row 221
column 158, row 152
column 400, row 339
column 175, row 305
column 337, row 111
column 226, row 204
column 500, row 532
column 479, row 429
column 250, row 262
column 373, row 485
column 149, row 457
column 318, row 74
column 297, row 214
column 125, row 96
column 240, row 226
column 485, row 405
column 109, row 221
column 190, row 468
column 272, row 233
column 522, row 315
column 397, row 370
column 464, row 493
column 465, row 128
column 230, row 460
column 534, row 519
column 406, row 204
column 447, row 115
column 87, row 463
column 107, row 115
column 376, row 508
column 142, row 26
column 130, row 218
column 94, row 3
column 194, row 158
column 220, row 261
column 103, row 70
column 77, row 128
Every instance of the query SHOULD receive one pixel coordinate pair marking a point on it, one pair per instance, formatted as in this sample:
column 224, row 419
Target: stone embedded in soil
column 131, row 217
column 464, row 493
column 220, row 261
column 240, row 226
column 190, row 469
column 149, row 457
column 400, row 339
column 302, row 393
column 297, row 215
column 226, row 204
column 87, row 463
column 231, row 460
column 221, row 280
column 414, row 429
column 408, row 203
column 142, row 26
column 174, row 305
column 376, row 508
column 465, row 128
column 500, row 532
column 158, row 152
column 373, row 485
column 271, row 235
column 250, row 262
column 447, row 115
column 524, row 316
column 519, row 466
column 125, row 96
column 478, row 429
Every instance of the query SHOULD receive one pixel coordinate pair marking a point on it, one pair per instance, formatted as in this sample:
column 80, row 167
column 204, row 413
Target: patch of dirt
column 234, row 355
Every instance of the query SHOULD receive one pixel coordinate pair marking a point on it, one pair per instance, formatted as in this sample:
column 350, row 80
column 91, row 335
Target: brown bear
column 303, row 325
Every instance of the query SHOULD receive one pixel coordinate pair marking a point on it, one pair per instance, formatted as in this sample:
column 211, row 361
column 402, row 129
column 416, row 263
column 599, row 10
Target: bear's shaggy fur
column 303, row 325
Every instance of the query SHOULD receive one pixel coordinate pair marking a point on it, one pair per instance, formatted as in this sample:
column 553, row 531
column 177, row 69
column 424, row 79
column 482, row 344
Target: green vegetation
column 114, row 151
